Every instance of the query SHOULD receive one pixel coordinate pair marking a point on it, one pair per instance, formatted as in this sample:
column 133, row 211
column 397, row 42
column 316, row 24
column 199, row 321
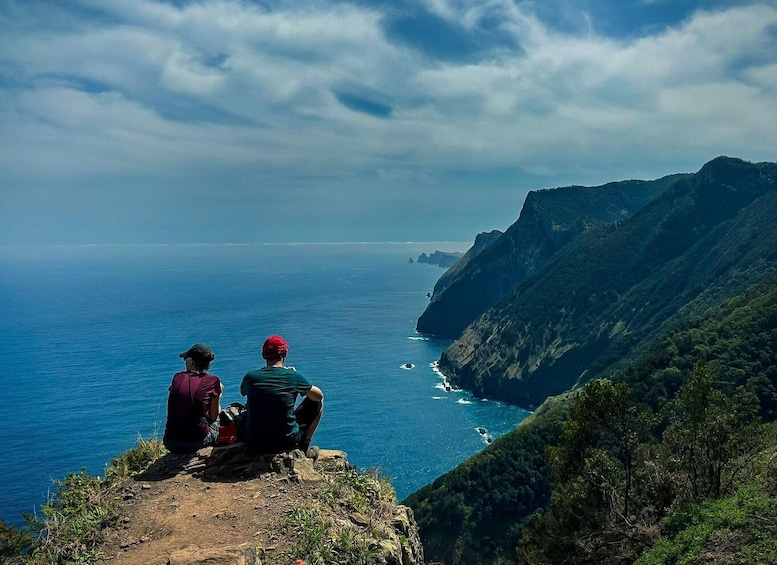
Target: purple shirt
column 188, row 404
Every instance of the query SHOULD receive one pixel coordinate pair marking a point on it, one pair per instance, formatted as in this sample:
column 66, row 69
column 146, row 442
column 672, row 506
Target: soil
column 185, row 519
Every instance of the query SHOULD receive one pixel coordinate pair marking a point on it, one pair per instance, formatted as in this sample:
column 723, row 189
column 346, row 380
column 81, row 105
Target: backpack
column 231, row 423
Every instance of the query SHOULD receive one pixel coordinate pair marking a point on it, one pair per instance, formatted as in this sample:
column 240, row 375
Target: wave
column 436, row 370
column 463, row 401
column 418, row 338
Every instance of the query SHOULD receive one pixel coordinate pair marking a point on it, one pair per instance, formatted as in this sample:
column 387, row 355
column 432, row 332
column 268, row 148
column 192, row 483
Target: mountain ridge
column 549, row 219
column 691, row 277
column 539, row 340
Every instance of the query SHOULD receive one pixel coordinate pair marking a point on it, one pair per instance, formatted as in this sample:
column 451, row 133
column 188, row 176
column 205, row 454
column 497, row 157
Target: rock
column 359, row 519
column 440, row 258
column 333, row 459
column 218, row 556
column 303, row 471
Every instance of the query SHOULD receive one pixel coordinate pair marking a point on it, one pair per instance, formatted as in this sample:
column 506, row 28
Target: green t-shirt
column 272, row 393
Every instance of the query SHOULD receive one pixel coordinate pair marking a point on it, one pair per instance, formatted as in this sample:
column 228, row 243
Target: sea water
column 91, row 335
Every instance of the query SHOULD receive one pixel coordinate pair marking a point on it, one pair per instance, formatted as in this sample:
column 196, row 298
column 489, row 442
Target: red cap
column 274, row 346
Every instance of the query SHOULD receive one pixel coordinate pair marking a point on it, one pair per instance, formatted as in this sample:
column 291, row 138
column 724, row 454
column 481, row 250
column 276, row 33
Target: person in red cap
column 193, row 404
column 274, row 424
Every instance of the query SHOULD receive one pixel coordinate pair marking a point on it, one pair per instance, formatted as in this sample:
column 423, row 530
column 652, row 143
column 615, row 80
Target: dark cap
column 198, row 352
column 274, row 346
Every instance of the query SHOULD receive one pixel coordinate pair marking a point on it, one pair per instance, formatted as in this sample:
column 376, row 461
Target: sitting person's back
column 273, row 422
column 193, row 403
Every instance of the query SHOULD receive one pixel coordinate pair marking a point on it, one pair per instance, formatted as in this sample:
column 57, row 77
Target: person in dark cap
column 193, row 404
column 274, row 424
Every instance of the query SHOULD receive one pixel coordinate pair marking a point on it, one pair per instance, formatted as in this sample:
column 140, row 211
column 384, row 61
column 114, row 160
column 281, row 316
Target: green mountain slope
column 612, row 289
column 478, row 511
column 692, row 277
column 549, row 220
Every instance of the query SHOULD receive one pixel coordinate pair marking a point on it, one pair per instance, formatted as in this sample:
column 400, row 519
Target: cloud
column 289, row 94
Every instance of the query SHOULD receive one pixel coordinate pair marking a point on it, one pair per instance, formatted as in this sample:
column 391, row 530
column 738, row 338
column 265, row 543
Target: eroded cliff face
column 226, row 506
column 612, row 288
column 549, row 220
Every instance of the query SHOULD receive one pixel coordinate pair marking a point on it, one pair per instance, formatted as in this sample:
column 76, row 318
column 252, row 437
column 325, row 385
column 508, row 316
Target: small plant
column 75, row 516
column 73, row 521
column 316, row 542
column 310, row 536
column 135, row 460
column 13, row 542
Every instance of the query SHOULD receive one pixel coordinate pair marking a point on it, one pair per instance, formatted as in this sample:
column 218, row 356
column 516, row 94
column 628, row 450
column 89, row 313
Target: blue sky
column 141, row 121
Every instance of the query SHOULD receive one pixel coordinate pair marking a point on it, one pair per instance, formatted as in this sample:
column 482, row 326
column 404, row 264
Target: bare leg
column 308, row 415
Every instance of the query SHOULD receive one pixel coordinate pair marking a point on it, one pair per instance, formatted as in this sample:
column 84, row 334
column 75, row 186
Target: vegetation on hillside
column 350, row 517
column 549, row 220
column 731, row 328
column 75, row 516
column 615, row 289
column 631, row 484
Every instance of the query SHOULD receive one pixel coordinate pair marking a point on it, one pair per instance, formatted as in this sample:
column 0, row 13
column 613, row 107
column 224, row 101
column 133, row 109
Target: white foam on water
column 438, row 398
column 418, row 338
column 406, row 367
column 463, row 401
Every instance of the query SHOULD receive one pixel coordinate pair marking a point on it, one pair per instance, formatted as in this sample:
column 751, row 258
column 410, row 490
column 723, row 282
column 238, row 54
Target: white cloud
column 228, row 86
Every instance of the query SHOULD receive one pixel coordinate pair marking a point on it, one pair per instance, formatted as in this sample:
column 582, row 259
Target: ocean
column 91, row 337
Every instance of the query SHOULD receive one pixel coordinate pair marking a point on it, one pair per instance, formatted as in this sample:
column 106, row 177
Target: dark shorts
column 306, row 413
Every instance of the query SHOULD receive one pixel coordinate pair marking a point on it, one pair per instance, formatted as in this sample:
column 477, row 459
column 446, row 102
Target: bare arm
column 214, row 408
column 315, row 394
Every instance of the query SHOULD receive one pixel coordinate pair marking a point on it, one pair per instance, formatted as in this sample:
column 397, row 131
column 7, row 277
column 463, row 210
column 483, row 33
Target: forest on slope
column 577, row 482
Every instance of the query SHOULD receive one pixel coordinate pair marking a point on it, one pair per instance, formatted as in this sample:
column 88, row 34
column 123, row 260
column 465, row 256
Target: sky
column 227, row 121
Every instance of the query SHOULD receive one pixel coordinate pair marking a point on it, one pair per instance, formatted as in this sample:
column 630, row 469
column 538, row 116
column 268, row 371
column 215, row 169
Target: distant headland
column 442, row 259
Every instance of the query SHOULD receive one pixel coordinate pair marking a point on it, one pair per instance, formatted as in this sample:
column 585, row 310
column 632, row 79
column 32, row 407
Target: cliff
column 271, row 509
column 481, row 243
column 687, row 286
column 613, row 288
column 227, row 506
column 443, row 259
column 548, row 221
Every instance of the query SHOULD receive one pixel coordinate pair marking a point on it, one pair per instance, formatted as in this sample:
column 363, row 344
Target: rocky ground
column 224, row 506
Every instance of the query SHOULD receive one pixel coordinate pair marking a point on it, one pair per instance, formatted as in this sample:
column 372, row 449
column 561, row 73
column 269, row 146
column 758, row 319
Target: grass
column 741, row 528
column 322, row 540
column 135, row 460
column 316, row 541
column 75, row 516
column 359, row 489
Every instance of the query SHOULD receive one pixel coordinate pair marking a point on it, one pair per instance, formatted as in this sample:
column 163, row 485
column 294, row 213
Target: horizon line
column 227, row 244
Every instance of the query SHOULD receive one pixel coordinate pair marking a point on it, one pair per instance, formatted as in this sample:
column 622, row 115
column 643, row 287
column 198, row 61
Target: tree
column 711, row 437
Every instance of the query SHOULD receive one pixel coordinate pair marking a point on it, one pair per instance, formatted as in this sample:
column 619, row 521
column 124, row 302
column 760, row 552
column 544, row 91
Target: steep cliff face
column 482, row 242
column 548, row 221
column 613, row 287
column 227, row 506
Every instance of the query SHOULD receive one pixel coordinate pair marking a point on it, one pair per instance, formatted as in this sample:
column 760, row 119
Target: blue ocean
column 91, row 337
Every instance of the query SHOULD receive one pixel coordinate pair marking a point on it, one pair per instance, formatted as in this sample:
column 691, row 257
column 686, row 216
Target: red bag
column 227, row 434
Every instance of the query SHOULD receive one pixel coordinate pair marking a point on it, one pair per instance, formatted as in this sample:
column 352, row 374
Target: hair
column 201, row 364
column 276, row 358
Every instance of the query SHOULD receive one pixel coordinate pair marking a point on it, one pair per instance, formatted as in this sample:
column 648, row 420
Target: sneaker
column 312, row 452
